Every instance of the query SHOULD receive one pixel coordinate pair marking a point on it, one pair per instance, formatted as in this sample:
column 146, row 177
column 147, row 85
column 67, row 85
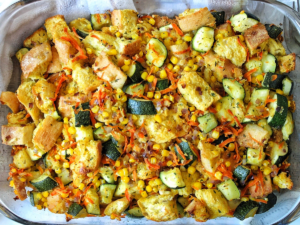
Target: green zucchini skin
column 110, row 149
column 272, row 199
column 82, row 33
column 281, row 110
column 221, row 139
column 82, row 116
column 244, row 208
column 162, row 84
column 135, row 213
column 74, row 209
column 140, row 107
column 273, row 84
column 273, row 30
column 180, row 209
column 287, row 86
column 135, row 72
column 207, row 122
column 250, row 15
column 159, row 47
column 203, row 39
column 44, row 183
column 32, row 196
column 233, row 88
column 187, row 151
column 220, row 17
column 241, row 173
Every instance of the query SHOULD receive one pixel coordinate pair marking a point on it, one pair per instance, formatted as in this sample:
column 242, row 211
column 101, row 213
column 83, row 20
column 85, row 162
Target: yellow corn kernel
column 176, row 69
column 213, row 79
column 157, row 118
column 231, row 147
column 242, row 12
column 153, row 160
column 95, row 109
column 267, row 171
column 174, row 60
column 150, row 94
column 203, row 137
column 150, row 78
column 125, row 121
column 125, row 179
column 215, row 134
column 195, row 67
column 22, row 179
column 155, row 69
column 199, row 58
column 141, row 53
column 66, row 165
column 97, row 125
column 127, row 62
column 135, row 37
column 105, row 114
column 227, row 163
column 66, row 120
column 95, row 179
column 45, row 204
column 131, row 160
column 187, row 38
column 39, row 207
column 193, row 118
column 278, row 91
column 254, row 167
column 113, row 216
column 219, row 175
column 13, row 170
column 241, row 37
column 72, row 130
column 219, row 36
column 169, row 163
column 90, row 174
column 271, row 143
column 167, row 97
column 165, row 153
column 45, row 194
column 155, row 189
column 209, row 185
column 192, row 108
column 39, row 196
column 125, row 68
column 152, row 183
column 172, row 98
column 266, row 163
column 114, row 108
column 44, row 199
column 81, row 186
column 163, row 74
column 144, row 194
column 168, row 42
column 178, row 42
column 170, row 66
column 70, row 151
column 245, row 199
column 89, row 51
column 118, row 34
column 191, row 170
column 124, row 98
column 158, row 182
column 164, row 34
column 141, row 184
column 64, row 195
column 134, row 117
column 187, row 69
column 157, row 95
column 117, row 163
column 156, row 147
column 190, row 62
column 260, row 77
column 125, row 172
column 197, row 185
column 218, row 106
column 98, row 183
column 112, row 52
column 152, row 21
column 144, row 75
column 148, row 189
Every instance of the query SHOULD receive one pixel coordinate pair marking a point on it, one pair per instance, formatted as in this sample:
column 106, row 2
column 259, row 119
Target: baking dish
column 22, row 18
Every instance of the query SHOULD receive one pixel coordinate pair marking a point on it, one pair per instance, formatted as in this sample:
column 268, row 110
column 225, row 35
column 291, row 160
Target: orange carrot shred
column 180, row 152
column 178, row 30
column 229, row 140
column 62, row 79
column 248, row 74
column 59, row 181
column 150, row 165
column 127, row 195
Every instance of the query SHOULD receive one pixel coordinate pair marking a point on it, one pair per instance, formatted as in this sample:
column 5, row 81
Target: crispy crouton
column 10, row 99
column 17, row 118
column 128, row 47
column 126, row 21
column 224, row 29
column 55, row 27
column 46, row 133
column 107, row 70
column 275, row 47
column 65, row 50
column 192, row 19
column 161, row 21
column 197, row 209
column 283, row 181
column 181, row 51
column 55, row 64
column 143, row 172
column 37, row 38
column 251, row 132
column 117, row 207
column 255, row 36
column 35, row 62
column 259, row 191
column 287, row 63
column 229, row 70
column 85, row 79
column 66, row 102
column 19, row 186
column 17, row 134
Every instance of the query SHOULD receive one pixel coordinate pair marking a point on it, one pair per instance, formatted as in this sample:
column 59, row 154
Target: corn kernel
column 141, row 184
column 144, row 75
column 254, row 167
column 192, row 108
column 141, row 53
column 153, row 160
column 64, row 195
column 118, row 34
column 170, row 66
column 156, row 147
column 114, row 108
column 193, row 118
column 124, row 172
column 72, row 130
column 266, row 163
column 125, row 68
column 117, row 163
column 152, row 21
column 213, row 79
column 13, row 170
column 157, row 95
column 157, row 118
column 245, row 199
column 187, row 69
column 199, row 58
column 174, row 60
column 195, row 67
column 178, row 42
column 66, row 165
column 144, row 194
column 105, row 114
column 150, row 78
column 219, row 175
column 152, row 183
column 278, row 91
column 215, row 134
column 89, row 51
column 167, row 97
column 134, row 117
column 45, row 194
column 260, row 77
column 190, row 63
column 187, row 38
column 227, row 163
column 22, row 179
column 113, row 216
column 57, row 157
column 176, row 69
column 150, row 94
column 197, row 185
column 158, row 181
column 163, row 74
column 209, row 185
column 242, row 12
column 95, row 109
column 70, row 151
column 231, row 147
column 219, row 36
column 81, row 186
column 191, row 170
column 124, row 98
column 203, row 137
column 98, row 183
column 267, row 171
column 39, row 207
column 165, row 153
column 66, row 120
column 164, row 34
column 148, row 189
column 39, row 196
column 131, row 160
column 125, row 121
column 125, row 179
column 241, row 37
column 135, row 36
column 90, row 174
column 127, row 62
column 112, row 52
column 169, row 163
column 155, row 189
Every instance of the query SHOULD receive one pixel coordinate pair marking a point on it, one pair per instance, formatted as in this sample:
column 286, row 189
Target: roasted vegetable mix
column 149, row 116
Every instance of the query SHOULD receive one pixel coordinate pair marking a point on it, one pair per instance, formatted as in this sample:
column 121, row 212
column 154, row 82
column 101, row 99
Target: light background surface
column 4, row 4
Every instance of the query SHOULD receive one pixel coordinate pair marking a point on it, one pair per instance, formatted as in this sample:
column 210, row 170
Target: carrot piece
column 74, row 31
column 238, row 157
column 156, row 167
column 178, row 30
column 150, row 36
column 169, row 89
column 154, row 83
column 62, row 79
column 239, row 41
column 196, row 151
column 127, row 195
column 59, row 181
column 27, row 116
column 274, row 77
column 260, row 200
column 258, row 142
column 192, row 123
column 229, row 140
column 212, row 110
column 180, row 152
column 205, row 53
column 92, row 115
column 248, row 74
column 183, row 51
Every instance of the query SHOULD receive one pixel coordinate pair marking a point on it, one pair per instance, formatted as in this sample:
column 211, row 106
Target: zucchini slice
column 162, row 84
column 82, row 26
column 33, row 199
column 172, row 178
column 82, row 115
column 100, row 134
column 76, row 210
column 135, row 213
column 272, row 199
column 254, row 63
column 92, row 207
column 110, row 150
column 166, row 28
column 187, row 151
column 203, row 39
column 269, row 63
column 180, row 210
column 157, row 52
column 220, row 17
column 44, row 183
column 246, row 210
column 135, row 88
column 107, row 192
column 84, row 133
column 264, row 124
column 288, row 127
column 229, row 189
column 184, row 202
column 243, row 21
column 241, row 173
column 273, row 81
column 140, row 107
column 253, row 157
column 100, row 20
column 278, row 111
column 273, row 30
column 65, row 176
column 287, row 86
column 21, row 53
column 207, row 122
column 135, row 72
column 107, row 174
column 233, row 88
column 279, row 153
